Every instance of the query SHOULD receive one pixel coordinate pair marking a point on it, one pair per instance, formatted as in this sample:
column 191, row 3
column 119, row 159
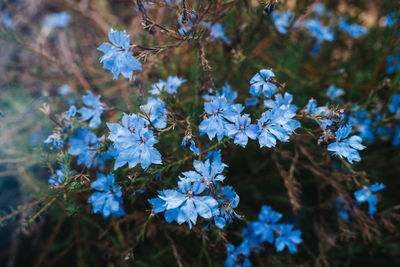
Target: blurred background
column 49, row 57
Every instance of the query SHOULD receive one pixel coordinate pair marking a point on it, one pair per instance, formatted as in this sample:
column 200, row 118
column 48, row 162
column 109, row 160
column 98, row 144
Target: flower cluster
column 107, row 199
column 133, row 143
column 117, row 57
column 266, row 229
column 199, row 193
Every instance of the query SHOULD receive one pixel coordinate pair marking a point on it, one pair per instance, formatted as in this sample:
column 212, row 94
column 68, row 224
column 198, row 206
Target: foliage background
column 34, row 64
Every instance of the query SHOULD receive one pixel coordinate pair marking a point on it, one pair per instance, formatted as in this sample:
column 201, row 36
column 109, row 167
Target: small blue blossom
column 393, row 63
column 318, row 8
column 394, row 106
column 333, row 92
column 64, row 90
column 6, row 19
column 187, row 141
column 346, row 147
column 228, row 202
column 226, row 92
column 93, row 112
column 251, row 102
column 59, row 177
column 170, row 86
column 267, row 222
column 70, row 113
column 54, row 141
column 238, row 257
column 133, row 143
column 353, row 30
column 242, row 130
column 396, row 137
column 318, row 31
column 390, row 19
column 186, row 27
column 287, row 238
column 156, row 112
column 85, row 145
column 185, row 204
column 261, row 82
column 57, row 20
column 282, row 21
column 117, row 58
column 108, row 199
column 318, row 113
column 220, row 113
column 344, row 210
column 276, row 124
column 282, row 102
column 215, row 155
column 366, row 195
column 217, row 31
column 207, row 172
column 362, row 124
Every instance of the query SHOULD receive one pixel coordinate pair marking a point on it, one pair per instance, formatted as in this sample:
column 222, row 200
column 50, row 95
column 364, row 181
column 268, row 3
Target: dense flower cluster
column 201, row 193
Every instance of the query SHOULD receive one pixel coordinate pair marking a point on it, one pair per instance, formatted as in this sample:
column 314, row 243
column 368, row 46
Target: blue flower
column 226, row 92
column 184, row 203
column 393, row 62
column 117, row 58
column 156, row 112
column 242, row 129
column 57, row 20
column 318, row 31
column 94, row 110
column 251, row 102
column 362, row 124
column 281, row 20
column 366, row 195
column 353, row 30
column 261, row 82
column 228, row 202
column 217, row 31
column 390, row 19
column 395, row 104
column 6, row 19
column 318, row 113
column 220, row 112
column 238, row 257
column 333, row 92
column 287, row 238
column 344, row 210
column 54, row 141
column 133, row 143
column 266, row 224
column 346, row 147
column 318, row 8
column 396, row 137
column 207, row 172
column 64, row 90
column 170, row 86
column 70, row 113
column 108, row 201
column 85, row 145
column 276, row 124
column 59, row 177
column 187, row 141
column 215, row 155
column 283, row 102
